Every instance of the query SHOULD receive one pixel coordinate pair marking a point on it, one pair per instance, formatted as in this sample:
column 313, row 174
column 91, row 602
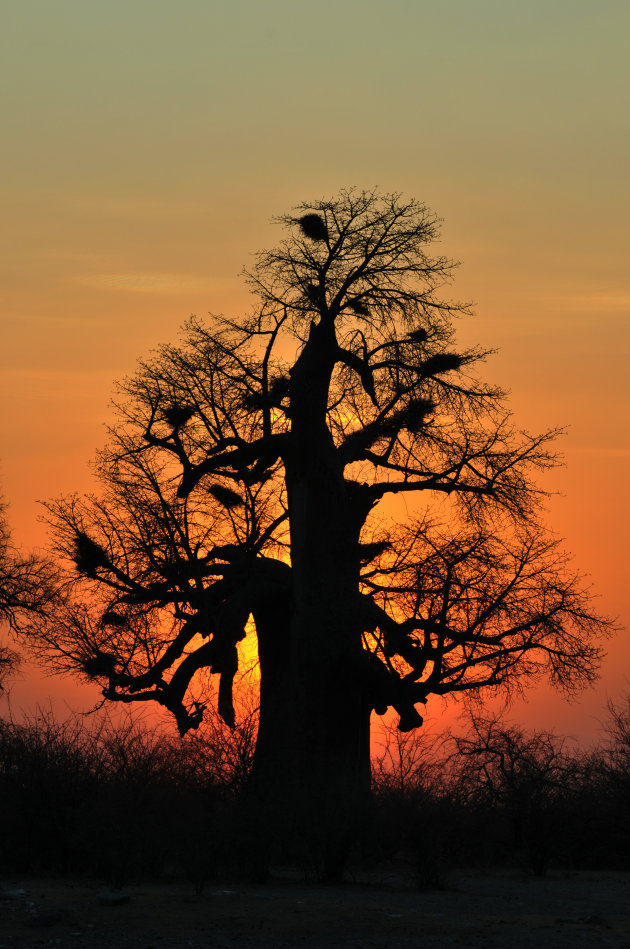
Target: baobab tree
column 257, row 471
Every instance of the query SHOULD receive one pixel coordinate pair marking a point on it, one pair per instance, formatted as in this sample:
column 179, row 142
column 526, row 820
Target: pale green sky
column 165, row 95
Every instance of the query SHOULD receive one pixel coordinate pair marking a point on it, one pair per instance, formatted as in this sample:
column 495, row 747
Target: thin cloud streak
column 53, row 375
column 50, row 319
column 589, row 302
column 600, row 452
column 144, row 282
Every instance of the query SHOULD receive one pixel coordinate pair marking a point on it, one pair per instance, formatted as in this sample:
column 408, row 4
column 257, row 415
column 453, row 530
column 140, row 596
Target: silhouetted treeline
column 118, row 801
column 122, row 801
column 500, row 795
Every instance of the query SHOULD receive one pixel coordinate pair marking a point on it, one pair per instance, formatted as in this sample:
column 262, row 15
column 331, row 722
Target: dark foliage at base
column 118, row 802
column 123, row 802
column 498, row 795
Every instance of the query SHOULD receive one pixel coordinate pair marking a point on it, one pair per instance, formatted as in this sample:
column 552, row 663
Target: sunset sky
column 148, row 145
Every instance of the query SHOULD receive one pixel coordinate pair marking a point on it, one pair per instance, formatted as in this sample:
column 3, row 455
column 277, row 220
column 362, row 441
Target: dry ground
column 581, row 911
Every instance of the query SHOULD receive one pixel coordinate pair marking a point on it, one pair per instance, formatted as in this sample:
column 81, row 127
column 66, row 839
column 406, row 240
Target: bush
column 117, row 801
column 113, row 800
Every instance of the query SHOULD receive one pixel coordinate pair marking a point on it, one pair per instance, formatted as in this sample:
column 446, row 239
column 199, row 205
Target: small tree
column 617, row 747
column 26, row 590
column 330, row 467
column 524, row 776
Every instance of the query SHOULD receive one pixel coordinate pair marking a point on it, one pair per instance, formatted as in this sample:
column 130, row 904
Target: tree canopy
column 26, row 590
column 330, row 467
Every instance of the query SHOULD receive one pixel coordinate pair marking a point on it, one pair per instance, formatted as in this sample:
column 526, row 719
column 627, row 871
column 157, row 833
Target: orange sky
column 148, row 148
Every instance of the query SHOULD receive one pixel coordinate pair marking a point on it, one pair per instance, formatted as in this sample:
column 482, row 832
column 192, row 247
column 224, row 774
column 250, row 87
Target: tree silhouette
column 331, row 467
column 526, row 776
column 26, row 590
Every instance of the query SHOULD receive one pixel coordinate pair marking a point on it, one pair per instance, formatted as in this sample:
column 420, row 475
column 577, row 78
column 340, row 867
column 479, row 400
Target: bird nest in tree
column 225, row 496
column 178, row 415
column 314, row 227
column 88, row 555
column 441, row 362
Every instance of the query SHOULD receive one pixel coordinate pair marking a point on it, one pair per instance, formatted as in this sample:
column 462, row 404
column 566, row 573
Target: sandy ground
column 491, row 910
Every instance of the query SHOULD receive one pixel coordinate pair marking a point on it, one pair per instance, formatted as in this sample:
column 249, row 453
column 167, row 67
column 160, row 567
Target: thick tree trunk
column 310, row 775
column 272, row 764
column 329, row 708
column 332, row 715
column 311, row 772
